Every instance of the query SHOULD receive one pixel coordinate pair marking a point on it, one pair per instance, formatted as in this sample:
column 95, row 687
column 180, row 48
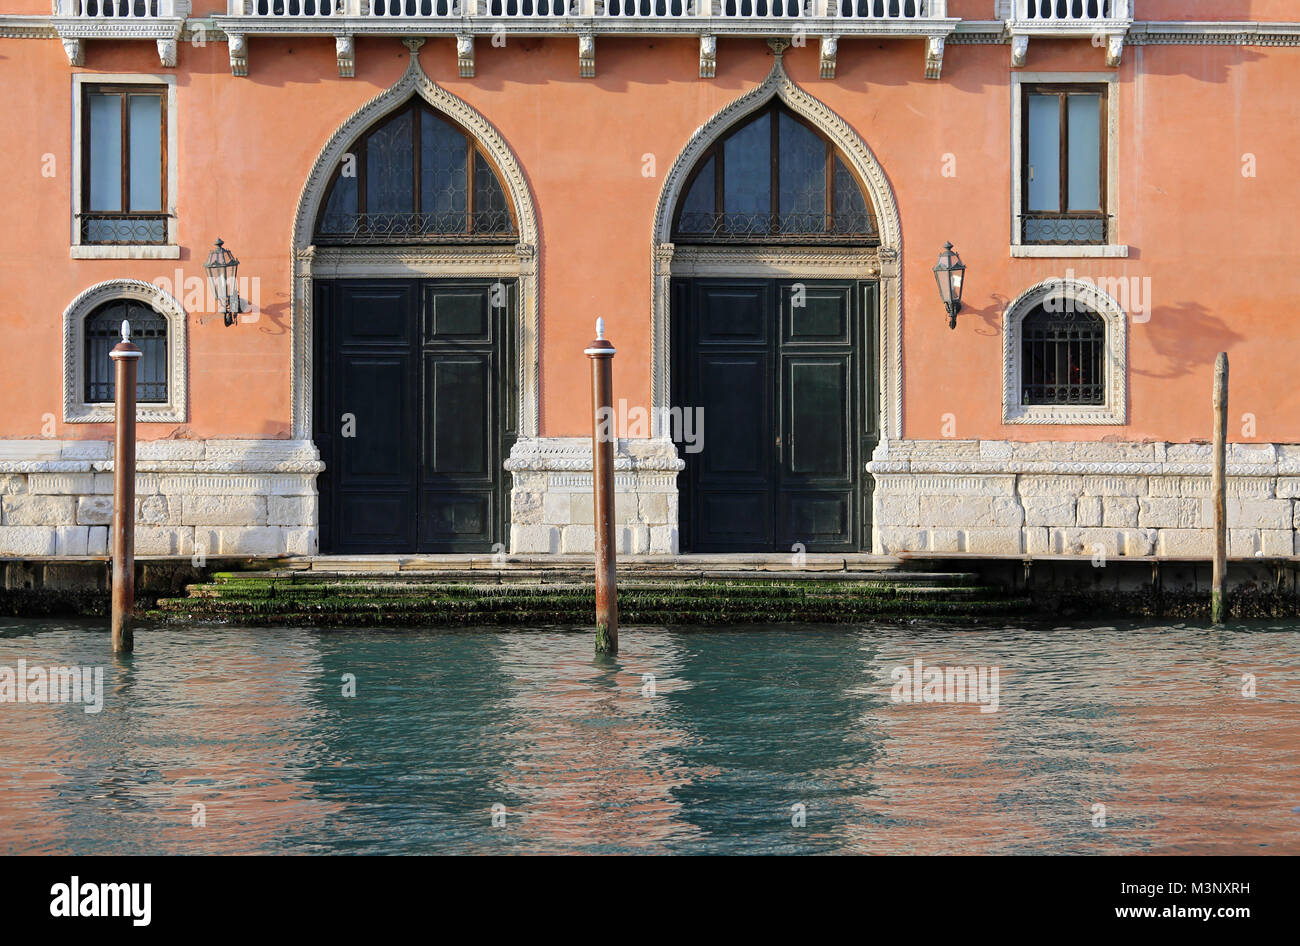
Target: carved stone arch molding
column 1069, row 295
column 75, row 408
column 882, row 262
column 518, row 262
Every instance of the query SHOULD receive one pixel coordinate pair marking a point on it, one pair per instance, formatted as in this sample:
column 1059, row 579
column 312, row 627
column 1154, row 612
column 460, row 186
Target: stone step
column 584, row 576
column 631, row 613
column 416, row 592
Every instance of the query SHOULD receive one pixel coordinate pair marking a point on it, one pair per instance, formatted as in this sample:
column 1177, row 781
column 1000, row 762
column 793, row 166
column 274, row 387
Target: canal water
column 1091, row 740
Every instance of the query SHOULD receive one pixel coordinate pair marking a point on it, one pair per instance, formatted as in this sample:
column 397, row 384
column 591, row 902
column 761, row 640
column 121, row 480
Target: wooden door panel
column 373, row 459
column 458, row 417
column 818, row 413
column 461, row 423
column 783, row 370
column 423, row 369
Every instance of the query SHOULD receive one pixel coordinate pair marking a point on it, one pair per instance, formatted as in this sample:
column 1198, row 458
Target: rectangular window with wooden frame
column 1063, row 164
column 123, row 164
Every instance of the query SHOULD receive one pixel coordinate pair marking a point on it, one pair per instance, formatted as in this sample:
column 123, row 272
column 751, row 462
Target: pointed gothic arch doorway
column 776, row 258
column 414, row 319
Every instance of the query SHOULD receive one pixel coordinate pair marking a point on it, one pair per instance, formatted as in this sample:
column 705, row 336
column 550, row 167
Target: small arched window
column 413, row 177
column 1063, row 357
column 773, row 179
column 103, row 330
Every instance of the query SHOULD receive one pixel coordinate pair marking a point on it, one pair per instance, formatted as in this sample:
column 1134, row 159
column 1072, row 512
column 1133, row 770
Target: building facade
column 432, row 201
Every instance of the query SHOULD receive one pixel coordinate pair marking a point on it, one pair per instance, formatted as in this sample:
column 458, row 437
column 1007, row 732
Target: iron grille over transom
column 415, row 177
column 773, row 179
column 104, row 330
column 1063, row 357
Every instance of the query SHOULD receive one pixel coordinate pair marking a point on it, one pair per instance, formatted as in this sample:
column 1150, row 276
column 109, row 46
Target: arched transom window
column 773, row 179
column 415, row 176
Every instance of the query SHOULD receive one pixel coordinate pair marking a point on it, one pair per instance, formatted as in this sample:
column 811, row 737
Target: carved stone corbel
column 465, row 55
column 345, row 51
column 586, row 55
column 238, row 53
column 708, row 56
column 1114, row 50
column 830, row 47
column 933, row 56
column 76, row 50
column 167, row 52
column 1019, row 48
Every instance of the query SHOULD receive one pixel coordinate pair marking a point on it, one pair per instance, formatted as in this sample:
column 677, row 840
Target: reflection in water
column 731, row 734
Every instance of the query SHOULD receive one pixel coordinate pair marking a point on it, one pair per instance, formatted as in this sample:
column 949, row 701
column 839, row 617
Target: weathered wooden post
column 125, row 355
column 603, row 432
column 1219, row 489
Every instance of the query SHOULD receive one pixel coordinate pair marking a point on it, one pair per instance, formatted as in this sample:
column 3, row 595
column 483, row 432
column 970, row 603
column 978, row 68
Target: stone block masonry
column 551, row 498
column 216, row 497
column 1058, row 498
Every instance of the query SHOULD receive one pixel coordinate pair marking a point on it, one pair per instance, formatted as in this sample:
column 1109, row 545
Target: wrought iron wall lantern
column 950, row 273
column 223, row 269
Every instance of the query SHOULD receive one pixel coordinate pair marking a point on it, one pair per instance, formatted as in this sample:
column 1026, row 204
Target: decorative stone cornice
column 573, row 454
column 162, row 456
column 168, row 31
column 1081, row 458
column 73, row 31
column 810, row 261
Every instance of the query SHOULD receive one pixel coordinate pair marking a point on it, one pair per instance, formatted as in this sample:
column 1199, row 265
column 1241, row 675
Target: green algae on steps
column 423, row 600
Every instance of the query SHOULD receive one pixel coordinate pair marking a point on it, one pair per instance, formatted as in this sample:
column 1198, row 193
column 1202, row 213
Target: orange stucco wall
column 1216, row 246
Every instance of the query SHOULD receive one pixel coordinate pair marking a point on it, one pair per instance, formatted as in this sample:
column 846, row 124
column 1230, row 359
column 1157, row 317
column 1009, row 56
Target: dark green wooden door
column 413, row 414
column 784, row 372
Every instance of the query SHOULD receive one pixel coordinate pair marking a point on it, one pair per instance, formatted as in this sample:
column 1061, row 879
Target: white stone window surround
column 170, row 247
column 75, row 408
column 1022, row 250
column 1082, row 293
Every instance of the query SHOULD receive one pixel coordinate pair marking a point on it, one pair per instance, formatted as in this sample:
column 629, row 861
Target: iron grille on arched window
column 415, row 176
column 1064, row 356
column 103, row 330
column 773, row 179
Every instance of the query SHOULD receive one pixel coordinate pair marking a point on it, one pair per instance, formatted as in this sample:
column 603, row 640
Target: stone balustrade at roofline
column 1103, row 22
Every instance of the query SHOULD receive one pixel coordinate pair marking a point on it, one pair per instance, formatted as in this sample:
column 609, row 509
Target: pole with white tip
column 601, row 353
column 125, row 356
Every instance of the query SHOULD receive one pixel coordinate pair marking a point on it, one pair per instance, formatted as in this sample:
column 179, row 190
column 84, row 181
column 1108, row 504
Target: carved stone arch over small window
column 91, row 327
column 1065, row 356
column 773, row 178
column 415, row 176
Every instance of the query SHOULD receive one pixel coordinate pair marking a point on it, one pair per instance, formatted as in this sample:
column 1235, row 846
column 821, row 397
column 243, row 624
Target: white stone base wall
column 210, row 498
column 551, row 504
column 1057, row 498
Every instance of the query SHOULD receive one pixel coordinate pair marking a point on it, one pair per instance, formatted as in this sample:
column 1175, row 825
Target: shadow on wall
column 1186, row 336
column 990, row 314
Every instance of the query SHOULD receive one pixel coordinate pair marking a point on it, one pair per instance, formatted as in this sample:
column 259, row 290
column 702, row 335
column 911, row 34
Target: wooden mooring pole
column 125, row 357
column 1219, row 490
column 603, row 432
